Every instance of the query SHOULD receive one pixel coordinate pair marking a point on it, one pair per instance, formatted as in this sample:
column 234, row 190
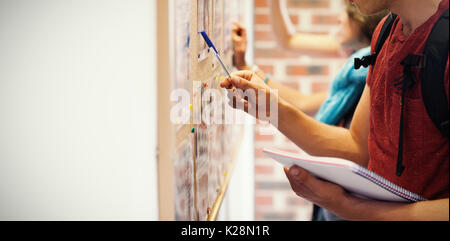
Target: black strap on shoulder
column 432, row 75
column 404, row 83
column 384, row 34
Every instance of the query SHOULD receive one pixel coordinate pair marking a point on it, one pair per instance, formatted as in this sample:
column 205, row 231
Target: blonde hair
column 367, row 24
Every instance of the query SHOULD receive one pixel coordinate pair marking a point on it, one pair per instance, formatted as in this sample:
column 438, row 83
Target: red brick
column 264, row 35
column 268, row 69
column 261, row 4
column 263, row 200
column 320, row 86
column 325, row 19
column 297, row 70
column 308, row 3
column 307, row 70
column 262, row 19
column 274, row 53
column 264, row 169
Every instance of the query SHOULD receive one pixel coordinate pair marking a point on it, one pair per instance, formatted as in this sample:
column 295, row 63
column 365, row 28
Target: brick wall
column 275, row 199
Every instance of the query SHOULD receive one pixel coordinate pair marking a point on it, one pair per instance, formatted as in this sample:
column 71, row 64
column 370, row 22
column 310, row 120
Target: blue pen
column 211, row 45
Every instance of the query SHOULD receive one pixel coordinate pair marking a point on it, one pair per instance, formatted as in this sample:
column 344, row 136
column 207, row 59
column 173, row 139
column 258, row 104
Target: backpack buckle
column 365, row 61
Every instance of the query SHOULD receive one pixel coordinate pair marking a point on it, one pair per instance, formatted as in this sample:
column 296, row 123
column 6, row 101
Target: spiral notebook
column 351, row 176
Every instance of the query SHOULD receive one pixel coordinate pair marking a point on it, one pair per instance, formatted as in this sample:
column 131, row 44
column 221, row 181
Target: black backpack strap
column 433, row 74
column 404, row 83
column 384, row 34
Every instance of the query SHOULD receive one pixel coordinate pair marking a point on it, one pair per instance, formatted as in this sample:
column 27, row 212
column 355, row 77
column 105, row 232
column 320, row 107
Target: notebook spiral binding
column 386, row 184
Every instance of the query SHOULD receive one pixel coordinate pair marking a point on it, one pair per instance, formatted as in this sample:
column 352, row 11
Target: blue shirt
column 345, row 91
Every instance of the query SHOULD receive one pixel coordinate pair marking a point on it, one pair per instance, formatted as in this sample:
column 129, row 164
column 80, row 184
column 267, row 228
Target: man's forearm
column 317, row 138
column 358, row 209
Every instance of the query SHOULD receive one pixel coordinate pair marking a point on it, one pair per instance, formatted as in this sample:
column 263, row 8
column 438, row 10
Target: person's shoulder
column 376, row 32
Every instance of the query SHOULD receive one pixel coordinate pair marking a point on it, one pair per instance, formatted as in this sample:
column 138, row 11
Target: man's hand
column 247, row 89
column 322, row 193
column 239, row 37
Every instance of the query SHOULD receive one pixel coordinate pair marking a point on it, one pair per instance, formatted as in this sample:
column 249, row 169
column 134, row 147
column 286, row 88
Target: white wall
column 77, row 110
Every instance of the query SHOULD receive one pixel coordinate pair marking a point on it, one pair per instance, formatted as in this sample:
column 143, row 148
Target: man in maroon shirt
column 372, row 140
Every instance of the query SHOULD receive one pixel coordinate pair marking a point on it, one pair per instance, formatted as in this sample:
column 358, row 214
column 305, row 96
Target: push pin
column 193, row 130
column 208, row 211
column 190, row 107
column 225, row 173
column 205, row 85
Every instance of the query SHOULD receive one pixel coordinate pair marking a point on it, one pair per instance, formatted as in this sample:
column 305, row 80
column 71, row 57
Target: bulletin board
column 195, row 159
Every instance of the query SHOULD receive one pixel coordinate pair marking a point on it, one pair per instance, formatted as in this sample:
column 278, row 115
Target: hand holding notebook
column 352, row 177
